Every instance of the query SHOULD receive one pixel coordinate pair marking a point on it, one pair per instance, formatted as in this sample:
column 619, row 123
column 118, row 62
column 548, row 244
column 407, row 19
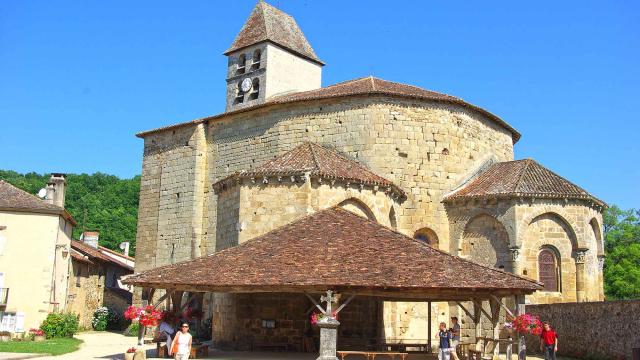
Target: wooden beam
column 479, row 303
column 499, row 301
column 465, row 309
column 345, row 303
column 316, row 303
column 167, row 293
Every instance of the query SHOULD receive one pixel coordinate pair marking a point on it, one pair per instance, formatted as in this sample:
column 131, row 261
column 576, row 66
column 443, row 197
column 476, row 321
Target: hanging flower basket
column 317, row 316
column 146, row 316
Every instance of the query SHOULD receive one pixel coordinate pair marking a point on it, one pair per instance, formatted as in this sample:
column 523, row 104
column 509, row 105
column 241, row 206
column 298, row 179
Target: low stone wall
column 594, row 330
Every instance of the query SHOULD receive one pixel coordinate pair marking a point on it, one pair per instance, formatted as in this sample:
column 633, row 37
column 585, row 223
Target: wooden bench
column 197, row 351
column 371, row 355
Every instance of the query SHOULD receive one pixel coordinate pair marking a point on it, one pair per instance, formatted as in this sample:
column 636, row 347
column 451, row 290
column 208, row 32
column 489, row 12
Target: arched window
column 427, row 235
column 242, row 59
column 255, row 88
column 549, row 269
column 255, row 63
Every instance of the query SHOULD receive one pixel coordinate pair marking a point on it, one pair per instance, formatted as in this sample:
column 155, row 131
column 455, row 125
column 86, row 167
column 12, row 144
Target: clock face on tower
column 245, row 86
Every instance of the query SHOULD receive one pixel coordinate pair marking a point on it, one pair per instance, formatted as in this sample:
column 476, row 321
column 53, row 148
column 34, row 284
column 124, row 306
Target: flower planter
column 129, row 356
column 38, row 338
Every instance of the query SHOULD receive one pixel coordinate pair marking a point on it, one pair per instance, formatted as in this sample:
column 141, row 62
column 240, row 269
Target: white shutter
column 19, row 322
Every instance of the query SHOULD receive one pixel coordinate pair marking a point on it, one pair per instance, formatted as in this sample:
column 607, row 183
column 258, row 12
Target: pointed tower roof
column 522, row 178
column 266, row 23
column 317, row 161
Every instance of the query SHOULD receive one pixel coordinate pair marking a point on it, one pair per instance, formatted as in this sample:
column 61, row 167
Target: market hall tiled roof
column 267, row 23
column 13, row 198
column 317, row 161
column 358, row 87
column 336, row 249
column 521, row 178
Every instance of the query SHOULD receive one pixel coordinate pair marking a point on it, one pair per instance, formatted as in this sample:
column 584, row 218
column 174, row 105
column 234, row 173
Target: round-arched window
column 549, row 270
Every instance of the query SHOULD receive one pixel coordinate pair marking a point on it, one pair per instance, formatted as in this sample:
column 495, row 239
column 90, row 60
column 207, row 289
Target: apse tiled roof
column 368, row 86
column 318, row 161
column 521, row 178
column 334, row 249
column 266, row 23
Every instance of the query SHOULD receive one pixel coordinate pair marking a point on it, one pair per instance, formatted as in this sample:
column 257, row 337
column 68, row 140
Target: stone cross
column 329, row 299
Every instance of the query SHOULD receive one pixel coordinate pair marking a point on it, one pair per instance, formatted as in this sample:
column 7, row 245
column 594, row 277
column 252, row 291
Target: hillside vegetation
column 98, row 202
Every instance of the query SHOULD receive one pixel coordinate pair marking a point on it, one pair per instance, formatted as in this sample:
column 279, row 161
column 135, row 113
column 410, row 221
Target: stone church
column 425, row 164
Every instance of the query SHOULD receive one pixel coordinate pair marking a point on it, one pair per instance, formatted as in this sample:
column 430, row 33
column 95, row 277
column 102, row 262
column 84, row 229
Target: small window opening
column 242, row 59
column 255, row 89
column 239, row 95
column 255, row 63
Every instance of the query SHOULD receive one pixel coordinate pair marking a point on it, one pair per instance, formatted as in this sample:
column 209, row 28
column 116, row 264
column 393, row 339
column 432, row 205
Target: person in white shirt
column 181, row 346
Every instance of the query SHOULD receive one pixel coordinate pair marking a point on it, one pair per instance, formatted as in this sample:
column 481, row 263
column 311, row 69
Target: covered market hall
column 342, row 268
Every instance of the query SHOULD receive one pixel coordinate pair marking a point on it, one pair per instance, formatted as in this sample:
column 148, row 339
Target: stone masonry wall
column 248, row 210
column 426, row 148
column 592, row 330
column 86, row 292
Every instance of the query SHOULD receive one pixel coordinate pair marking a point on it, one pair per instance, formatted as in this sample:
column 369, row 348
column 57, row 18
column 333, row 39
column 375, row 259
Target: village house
column 289, row 154
column 95, row 278
column 35, row 246
column 42, row 269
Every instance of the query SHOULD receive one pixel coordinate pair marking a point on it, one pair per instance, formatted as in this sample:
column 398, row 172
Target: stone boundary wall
column 593, row 330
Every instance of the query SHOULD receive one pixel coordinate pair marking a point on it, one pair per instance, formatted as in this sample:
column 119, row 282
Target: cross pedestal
column 328, row 338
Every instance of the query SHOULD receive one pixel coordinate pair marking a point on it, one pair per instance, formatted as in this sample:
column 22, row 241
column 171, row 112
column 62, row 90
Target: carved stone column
column 328, row 338
column 601, row 277
column 581, row 294
column 515, row 260
column 328, row 329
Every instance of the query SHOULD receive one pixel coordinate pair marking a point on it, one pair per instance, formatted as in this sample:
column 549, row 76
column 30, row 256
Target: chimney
column 90, row 238
column 56, row 189
column 50, row 195
column 124, row 246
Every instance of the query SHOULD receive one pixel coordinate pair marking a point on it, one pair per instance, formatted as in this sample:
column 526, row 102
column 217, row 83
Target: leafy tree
column 622, row 264
column 98, row 202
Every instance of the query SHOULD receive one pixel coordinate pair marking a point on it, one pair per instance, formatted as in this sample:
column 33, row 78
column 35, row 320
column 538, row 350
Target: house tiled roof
column 370, row 86
column 318, row 161
column 334, row 249
column 12, row 198
column 266, row 23
column 521, row 178
column 94, row 253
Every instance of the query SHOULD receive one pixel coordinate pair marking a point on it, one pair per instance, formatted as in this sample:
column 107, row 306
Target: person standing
column 181, row 346
column 445, row 337
column 548, row 342
column 455, row 339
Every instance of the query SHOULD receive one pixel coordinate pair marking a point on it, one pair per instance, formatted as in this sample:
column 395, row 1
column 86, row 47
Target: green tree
column 98, row 202
column 622, row 243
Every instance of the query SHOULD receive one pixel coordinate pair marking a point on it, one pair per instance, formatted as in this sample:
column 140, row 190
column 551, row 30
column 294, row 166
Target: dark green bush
column 58, row 325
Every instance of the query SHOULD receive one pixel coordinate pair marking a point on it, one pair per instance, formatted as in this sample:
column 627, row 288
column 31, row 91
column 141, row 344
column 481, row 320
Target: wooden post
column 477, row 313
column 429, row 325
column 520, row 309
column 495, row 321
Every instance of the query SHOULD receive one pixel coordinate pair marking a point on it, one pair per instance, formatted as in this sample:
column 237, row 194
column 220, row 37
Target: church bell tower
column 269, row 57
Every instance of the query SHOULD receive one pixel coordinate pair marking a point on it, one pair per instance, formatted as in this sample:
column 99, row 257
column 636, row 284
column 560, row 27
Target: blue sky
column 79, row 78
